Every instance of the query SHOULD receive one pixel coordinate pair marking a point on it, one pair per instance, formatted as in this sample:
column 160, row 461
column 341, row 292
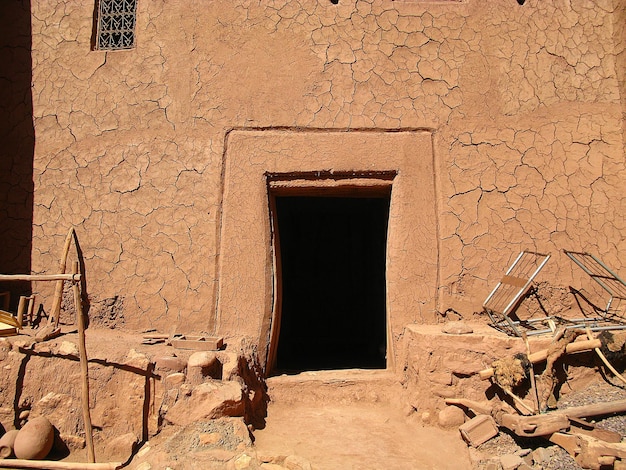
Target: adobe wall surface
column 524, row 103
column 619, row 25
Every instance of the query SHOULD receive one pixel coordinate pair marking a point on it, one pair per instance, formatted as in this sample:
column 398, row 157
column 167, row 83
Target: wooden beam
column 39, row 277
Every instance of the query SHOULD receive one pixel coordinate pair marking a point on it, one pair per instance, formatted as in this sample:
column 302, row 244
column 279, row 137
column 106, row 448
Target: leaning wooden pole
column 84, row 368
column 58, row 291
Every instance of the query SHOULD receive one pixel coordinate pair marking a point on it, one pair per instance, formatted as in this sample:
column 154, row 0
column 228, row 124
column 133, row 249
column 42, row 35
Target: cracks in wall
column 527, row 145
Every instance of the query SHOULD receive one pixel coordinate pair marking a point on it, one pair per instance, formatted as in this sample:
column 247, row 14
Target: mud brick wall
column 525, row 105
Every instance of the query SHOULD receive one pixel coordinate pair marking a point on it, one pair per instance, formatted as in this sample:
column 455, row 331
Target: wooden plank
column 6, row 330
column 8, row 319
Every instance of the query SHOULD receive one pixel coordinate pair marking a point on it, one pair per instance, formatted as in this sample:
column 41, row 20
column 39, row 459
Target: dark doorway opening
column 332, row 302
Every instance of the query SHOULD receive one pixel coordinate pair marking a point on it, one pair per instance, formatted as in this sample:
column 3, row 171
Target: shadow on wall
column 17, row 143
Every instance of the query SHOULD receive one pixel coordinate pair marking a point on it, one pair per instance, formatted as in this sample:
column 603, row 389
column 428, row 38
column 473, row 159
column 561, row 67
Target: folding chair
column 506, row 296
column 607, row 279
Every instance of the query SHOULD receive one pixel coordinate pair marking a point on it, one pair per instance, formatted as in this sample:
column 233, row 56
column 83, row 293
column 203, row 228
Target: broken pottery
column 6, row 444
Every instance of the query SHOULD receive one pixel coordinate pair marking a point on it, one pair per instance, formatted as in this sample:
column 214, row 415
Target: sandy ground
column 358, row 436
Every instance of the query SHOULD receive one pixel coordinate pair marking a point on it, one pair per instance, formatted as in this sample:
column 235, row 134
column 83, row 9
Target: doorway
column 330, row 311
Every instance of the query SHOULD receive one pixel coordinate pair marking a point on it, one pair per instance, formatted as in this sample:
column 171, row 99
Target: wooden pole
column 605, row 360
column 58, row 292
column 533, row 384
column 40, row 277
column 78, row 305
column 58, row 465
column 577, row 346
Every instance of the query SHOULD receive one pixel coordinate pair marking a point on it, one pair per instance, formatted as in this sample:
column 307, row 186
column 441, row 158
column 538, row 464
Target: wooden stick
column 20, row 310
column 517, row 400
column 605, row 360
column 78, row 305
column 533, row 383
column 577, row 346
column 39, row 277
column 475, row 406
column 58, row 465
column 58, row 292
column 597, row 409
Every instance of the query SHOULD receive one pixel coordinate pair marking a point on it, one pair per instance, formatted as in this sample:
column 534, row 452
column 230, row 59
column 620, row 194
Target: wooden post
column 58, row 292
column 84, row 368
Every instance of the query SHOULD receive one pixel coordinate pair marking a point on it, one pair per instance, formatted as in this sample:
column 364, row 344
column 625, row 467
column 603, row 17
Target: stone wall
column 523, row 103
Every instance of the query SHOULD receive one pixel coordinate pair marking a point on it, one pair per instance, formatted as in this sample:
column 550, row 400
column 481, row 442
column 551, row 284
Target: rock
column 475, row 456
column 230, row 365
column 202, row 365
column 34, row 441
column 267, row 457
column 457, row 328
column 143, row 466
column 144, row 450
column 240, row 431
column 60, row 409
column 209, row 400
column 209, row 438
column 175, row 379
column 542, row 455
column 295, row 462
column 243, row 461
column 220, row 455
column 441, row 378
column 6, row 416
column 67, row 348
column 122, row 447
column 451, row 416
column 510, row 461
column 464, row 368
column 137, row 359
column 73, row 442
column 170, row 363
column 493, row 465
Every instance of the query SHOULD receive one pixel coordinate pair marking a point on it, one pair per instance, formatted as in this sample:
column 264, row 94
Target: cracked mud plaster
column 526, row 104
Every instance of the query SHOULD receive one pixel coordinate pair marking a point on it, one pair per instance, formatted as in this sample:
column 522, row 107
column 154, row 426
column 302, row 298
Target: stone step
column 336, row 386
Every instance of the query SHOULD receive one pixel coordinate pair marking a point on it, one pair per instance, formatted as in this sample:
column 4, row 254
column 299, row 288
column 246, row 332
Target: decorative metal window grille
column 116, row 24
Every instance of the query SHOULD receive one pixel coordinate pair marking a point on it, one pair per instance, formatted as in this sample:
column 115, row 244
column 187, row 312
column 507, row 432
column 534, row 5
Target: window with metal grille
column 116, row 24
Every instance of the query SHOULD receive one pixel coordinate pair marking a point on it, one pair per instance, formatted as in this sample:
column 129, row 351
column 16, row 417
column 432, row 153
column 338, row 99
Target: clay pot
column 34, row 440
column 6, row 444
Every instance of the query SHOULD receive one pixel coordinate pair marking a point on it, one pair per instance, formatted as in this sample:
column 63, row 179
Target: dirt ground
column 348, row 419
column 361, row 436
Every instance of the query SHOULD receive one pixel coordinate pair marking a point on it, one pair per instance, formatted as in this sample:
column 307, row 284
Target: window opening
column 116, row 24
